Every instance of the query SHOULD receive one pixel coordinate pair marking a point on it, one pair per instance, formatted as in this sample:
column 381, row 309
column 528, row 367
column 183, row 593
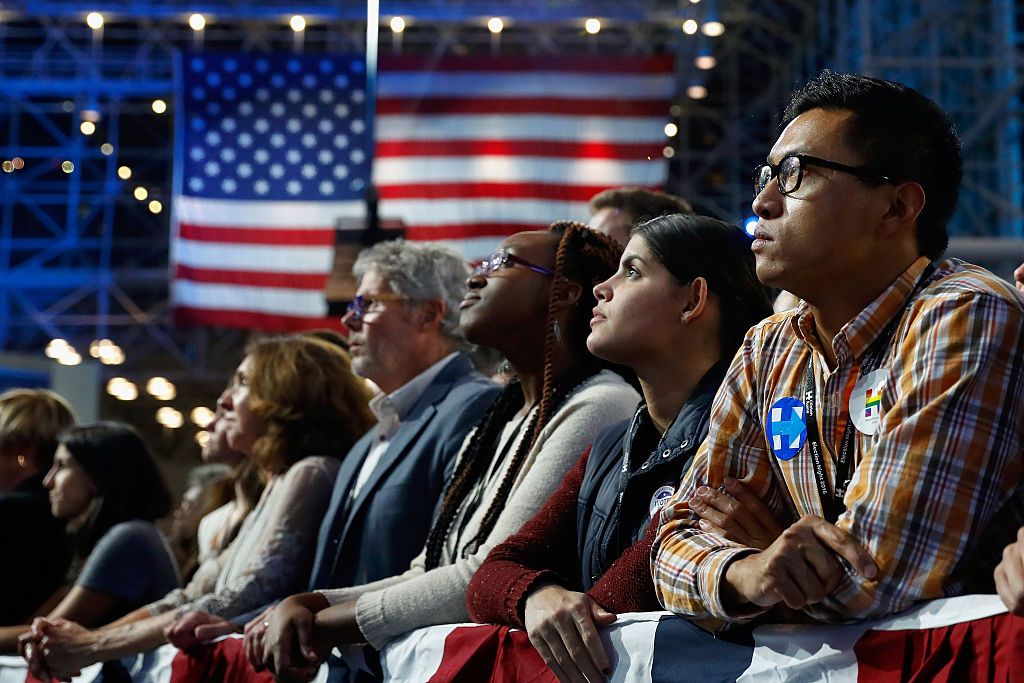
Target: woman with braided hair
column 531, row 300
column 675, row 312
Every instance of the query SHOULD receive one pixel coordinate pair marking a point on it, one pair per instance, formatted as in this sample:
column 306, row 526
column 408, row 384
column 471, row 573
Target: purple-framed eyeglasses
column 501, row 258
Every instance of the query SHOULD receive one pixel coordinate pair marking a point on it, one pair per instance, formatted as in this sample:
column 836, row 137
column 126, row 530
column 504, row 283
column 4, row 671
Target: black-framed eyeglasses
column 501, row 258
column 790, row 171
column 361, row 305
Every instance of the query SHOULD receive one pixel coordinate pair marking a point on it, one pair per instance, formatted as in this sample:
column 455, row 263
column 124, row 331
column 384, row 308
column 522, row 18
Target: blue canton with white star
column 274, row 127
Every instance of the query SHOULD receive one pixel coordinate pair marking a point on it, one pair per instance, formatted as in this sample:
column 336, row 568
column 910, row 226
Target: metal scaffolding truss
column 968, row 57
column 434, row 11
column 82, row 257
column 760, row 59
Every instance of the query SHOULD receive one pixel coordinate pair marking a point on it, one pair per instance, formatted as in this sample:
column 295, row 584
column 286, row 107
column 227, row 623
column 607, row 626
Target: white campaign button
column 866, row 401
column 659, row 498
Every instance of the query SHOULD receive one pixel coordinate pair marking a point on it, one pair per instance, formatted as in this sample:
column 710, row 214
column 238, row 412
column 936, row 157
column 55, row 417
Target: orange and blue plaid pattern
column 936, row 492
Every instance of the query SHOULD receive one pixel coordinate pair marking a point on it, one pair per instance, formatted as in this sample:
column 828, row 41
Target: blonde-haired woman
column 30, row 421
column 294, row 407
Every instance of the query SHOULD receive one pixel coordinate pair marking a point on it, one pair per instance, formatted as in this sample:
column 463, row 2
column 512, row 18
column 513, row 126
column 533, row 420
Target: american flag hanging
column 470, row 149
column 272, row 156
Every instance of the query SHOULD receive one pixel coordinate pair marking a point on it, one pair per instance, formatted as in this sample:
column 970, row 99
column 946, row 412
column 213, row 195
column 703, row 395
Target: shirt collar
column 391, row 409
column 856, row 336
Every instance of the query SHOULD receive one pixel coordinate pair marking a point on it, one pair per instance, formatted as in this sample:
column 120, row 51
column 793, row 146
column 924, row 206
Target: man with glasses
column 404, row 337
column 881, row 419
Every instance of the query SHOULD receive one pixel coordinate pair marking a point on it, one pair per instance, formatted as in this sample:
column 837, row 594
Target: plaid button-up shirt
column 936, row 491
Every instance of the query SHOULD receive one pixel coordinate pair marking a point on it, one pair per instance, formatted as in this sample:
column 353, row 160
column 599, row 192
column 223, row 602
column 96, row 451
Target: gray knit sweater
column 390, row 607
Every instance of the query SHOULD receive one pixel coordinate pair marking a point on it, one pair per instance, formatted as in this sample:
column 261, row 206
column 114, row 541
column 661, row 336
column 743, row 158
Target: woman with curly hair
column 294, row 407
column 530, row 300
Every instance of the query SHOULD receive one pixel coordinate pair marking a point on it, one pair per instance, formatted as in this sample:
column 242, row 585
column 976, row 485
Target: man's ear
column 906, row 202
column 693, row 305
column 430, row 314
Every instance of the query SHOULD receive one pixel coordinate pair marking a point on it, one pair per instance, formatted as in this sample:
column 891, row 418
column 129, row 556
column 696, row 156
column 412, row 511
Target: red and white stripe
column 467, row 151
column 259, row 265
column 470, row 150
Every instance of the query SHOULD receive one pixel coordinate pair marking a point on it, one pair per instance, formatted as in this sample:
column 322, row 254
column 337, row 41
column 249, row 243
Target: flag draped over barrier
column 970, row 638
column 273, row 155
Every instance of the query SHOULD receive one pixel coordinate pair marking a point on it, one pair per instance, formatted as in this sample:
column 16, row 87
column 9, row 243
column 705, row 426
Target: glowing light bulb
column 713, row 29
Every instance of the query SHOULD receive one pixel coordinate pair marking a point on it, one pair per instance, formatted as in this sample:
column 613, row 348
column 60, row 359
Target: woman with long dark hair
column 293, row 407
column 675, row 312
column 530, row 300
column 104, row 482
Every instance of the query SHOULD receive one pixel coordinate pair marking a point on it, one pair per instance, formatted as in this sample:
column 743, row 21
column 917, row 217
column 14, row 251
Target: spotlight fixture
column 696, row 92
column 713, row 29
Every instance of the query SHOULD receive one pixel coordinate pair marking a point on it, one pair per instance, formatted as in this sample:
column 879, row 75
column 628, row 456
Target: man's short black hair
column 899, row 133
column 639, row 202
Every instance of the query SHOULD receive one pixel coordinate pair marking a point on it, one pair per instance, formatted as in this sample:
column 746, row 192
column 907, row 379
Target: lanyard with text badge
column 832, row 501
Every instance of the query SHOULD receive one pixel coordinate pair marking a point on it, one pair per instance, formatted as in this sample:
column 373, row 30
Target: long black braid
column 583, row 257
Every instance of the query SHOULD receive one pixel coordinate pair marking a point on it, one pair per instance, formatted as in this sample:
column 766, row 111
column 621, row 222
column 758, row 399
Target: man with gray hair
column 404, row 337
column 423, row 280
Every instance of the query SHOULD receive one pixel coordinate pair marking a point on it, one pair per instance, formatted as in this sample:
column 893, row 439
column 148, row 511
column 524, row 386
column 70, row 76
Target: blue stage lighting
column 750, row 224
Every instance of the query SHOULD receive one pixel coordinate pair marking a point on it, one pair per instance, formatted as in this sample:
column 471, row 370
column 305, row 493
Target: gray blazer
column 386, row 526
